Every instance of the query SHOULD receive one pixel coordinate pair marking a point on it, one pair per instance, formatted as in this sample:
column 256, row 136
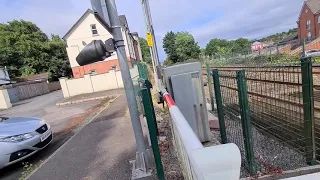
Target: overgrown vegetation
column 278, row 37
column 26, row 50
column 222, row 47
column 27, row 169
column 145, row 51
column 181, row 47
column 274, row 59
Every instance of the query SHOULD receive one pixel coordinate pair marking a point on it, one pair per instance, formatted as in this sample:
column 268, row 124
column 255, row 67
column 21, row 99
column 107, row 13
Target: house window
column 306, row 10
column 319, row 19
column 92, row 71
column 113, row 68
column 94, row 29
column 308, row 24
column 309, row 36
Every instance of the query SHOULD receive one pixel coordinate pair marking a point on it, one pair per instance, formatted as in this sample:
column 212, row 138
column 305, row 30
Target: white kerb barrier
column 220, row 162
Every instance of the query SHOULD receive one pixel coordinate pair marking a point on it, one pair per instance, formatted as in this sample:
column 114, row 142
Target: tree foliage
column 180, row 47
column 186, row 47
column 212, row 46
column 222, row 47
column 146, row 56
column 241, row 45
column 169, row 46
column 26, row 50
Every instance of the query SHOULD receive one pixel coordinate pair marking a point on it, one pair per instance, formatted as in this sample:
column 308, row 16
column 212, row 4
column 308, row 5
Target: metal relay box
column 185, row 84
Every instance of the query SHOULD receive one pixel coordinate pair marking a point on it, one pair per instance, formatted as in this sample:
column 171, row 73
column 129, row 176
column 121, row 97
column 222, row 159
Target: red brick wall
column 99, row 67
column 302, row 25
column 317, row 25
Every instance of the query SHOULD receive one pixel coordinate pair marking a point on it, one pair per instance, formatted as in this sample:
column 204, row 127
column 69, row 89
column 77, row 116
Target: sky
column 204, row 19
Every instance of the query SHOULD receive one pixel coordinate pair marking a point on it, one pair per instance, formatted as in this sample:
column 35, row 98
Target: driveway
column 63, row 120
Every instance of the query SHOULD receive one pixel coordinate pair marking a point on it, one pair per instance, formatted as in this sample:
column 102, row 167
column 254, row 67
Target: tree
column 170, row 47
column 145, row 50
column 242, row 45
column 186, row 47
column 225, row 47
column 180, row 47
column 212, row 46
column 167, row 62
column 26, row 50
column 58, row 65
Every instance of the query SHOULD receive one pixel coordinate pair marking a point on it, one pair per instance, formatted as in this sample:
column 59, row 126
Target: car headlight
column 17, row 138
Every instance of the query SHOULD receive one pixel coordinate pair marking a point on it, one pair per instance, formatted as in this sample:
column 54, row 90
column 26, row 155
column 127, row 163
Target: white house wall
column 82, row 33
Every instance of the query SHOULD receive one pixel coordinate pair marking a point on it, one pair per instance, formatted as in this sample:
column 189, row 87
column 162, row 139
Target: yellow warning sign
column 149, row 39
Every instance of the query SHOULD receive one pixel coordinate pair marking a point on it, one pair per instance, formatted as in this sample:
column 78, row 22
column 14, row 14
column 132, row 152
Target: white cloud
column 205, row 19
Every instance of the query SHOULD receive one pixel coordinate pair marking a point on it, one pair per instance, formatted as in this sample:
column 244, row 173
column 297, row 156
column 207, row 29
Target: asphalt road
column 101, row 150
column 63, row 120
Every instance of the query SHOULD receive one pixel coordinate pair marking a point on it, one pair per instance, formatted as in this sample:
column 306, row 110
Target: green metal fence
column 270, row 113
column 142, row 88
column 143, row 74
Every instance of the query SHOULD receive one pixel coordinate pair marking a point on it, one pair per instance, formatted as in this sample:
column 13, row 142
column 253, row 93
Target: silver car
column 21, row 137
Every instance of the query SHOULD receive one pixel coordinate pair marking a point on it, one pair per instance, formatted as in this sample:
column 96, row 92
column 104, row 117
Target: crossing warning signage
column 149, row 39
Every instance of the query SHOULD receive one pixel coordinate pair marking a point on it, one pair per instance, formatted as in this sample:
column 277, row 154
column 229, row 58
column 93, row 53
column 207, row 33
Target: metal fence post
column 209, row 84
column 140, row 69
column 151, row 120
column 217, row 92
column 146, row 71
column 245, row 119
column 308, row 109
column 148, row 85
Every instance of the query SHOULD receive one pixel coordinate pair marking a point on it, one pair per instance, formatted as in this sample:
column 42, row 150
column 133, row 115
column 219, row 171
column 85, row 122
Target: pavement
column 314, row 176
column 90, row 97
column 101, row 150
column 63, row 120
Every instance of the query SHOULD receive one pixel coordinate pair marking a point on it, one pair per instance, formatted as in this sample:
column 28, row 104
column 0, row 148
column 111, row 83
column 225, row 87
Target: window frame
column 309, row 37
column 308, row 24
column 94, row 30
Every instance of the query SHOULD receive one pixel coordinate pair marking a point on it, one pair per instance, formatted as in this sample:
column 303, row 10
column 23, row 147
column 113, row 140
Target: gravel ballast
column 271, row 155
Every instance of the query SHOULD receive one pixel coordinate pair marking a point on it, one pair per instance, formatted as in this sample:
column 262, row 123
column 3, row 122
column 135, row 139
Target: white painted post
column 4, row 99
column 64, row 87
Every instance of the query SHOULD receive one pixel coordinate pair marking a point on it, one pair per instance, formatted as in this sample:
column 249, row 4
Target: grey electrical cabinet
column 185, row 84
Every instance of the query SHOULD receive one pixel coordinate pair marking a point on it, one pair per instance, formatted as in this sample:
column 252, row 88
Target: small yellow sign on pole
column 149, row 39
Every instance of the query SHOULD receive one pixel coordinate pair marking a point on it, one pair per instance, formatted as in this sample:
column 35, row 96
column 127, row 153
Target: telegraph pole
column 141, row 164
column 151, row 39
